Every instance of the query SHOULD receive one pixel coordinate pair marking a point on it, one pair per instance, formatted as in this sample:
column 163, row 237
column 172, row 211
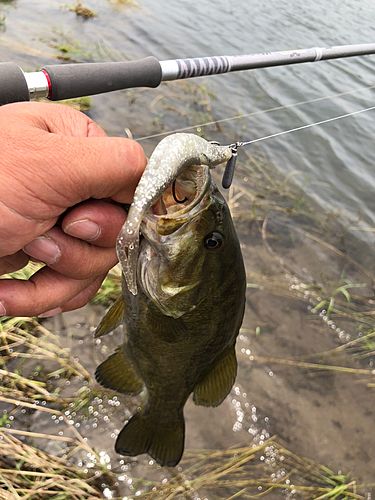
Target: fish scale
column 181, row 325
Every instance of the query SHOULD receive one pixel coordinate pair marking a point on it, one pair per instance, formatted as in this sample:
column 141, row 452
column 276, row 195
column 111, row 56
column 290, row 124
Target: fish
column 182, row 323
column 173, row 155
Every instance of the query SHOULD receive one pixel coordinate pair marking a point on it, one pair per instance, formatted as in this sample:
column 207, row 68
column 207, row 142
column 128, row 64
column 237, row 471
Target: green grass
column 110, row 289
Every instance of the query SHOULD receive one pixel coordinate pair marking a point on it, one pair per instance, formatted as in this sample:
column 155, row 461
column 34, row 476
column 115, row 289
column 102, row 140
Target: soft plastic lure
column 172, row 156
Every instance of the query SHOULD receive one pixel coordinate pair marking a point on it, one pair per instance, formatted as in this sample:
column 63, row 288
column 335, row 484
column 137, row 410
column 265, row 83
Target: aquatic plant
column 110, row 288
column 275, row 218
column 81, row 103
column 82, row 11
column 68, row 48
column 26, row 348
column 123, row 2
column 27, row 471
column 252, row 472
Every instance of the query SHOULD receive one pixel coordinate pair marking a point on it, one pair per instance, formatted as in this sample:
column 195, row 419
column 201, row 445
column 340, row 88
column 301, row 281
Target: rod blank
column 66, row 81
column 188, row 68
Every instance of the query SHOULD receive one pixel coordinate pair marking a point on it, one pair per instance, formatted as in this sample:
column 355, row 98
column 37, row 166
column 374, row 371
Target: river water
column 323, row 416
column 333, row 162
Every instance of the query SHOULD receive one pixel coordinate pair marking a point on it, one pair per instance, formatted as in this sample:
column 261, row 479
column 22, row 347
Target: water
column 334, row 162
column 326, row 416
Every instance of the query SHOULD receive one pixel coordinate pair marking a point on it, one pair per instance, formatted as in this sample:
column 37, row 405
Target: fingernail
column 3, row 311
column 50, row 313
column 44, row 249
column 83, row 229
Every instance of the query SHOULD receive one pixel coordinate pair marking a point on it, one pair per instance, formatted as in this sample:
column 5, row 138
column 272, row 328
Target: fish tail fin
column 164, row 442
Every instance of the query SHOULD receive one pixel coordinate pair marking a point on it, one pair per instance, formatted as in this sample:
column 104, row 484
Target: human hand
column 59, row 173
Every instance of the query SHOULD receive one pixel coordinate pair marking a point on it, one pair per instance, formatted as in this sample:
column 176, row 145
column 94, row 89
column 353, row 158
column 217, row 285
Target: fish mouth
column 162, row 228
column 178, row 203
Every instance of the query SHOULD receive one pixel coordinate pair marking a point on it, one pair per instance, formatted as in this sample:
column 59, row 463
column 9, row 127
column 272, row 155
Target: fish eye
column 213, row 240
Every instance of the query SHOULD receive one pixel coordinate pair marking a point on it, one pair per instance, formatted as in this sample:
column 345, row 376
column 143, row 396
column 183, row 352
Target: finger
column 44, row 291
column 68, row 157
column 12, row 263
column 84, row 296
column 70, row 256
column 100, row 167
column 64, row 159
column 55, row 118
column 97, row 222
column 103, row 167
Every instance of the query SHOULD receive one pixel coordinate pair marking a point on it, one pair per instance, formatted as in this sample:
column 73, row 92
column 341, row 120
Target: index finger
column 80, row 161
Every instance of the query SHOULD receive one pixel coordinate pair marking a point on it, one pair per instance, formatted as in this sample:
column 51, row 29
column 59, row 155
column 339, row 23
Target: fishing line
column 302, row 127
column 230, row 166
column 255, row 113
column 229, row 169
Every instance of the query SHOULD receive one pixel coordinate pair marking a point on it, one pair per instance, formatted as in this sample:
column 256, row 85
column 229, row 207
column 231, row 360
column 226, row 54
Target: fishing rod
column 67, row 81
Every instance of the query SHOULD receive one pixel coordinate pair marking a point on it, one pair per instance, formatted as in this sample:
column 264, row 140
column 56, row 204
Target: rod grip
column 76, row 80
column 13, row 86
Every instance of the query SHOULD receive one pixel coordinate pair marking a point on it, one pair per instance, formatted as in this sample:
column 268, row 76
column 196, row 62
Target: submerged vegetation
column 36, row 367
column 81, row 103
column 27, row 470
column 63, row 465
column 310, row 258
column 123, row 2
column 110, row 289
column 68, row 48
column 82, row 11
column 297, row 256
column 252, row 472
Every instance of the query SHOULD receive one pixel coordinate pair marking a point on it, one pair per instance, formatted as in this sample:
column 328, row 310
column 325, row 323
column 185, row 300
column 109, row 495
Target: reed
column 254, row 472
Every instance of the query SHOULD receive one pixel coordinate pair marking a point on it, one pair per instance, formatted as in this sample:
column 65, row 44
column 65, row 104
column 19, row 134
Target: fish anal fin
column 213, row 388
column 164, row 442
column 118, row 374
column 112, row 318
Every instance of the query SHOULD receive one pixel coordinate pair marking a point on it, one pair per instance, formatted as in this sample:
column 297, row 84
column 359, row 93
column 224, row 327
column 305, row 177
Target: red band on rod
column 49, row 83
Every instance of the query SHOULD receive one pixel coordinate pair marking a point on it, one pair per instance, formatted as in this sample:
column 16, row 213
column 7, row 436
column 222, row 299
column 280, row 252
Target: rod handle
column 13, row 86
column 67, row 81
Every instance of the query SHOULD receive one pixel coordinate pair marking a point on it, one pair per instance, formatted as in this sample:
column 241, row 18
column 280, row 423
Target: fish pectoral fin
column 164, row 442
column 117, row 373
column 217, row 383
column 112, row 318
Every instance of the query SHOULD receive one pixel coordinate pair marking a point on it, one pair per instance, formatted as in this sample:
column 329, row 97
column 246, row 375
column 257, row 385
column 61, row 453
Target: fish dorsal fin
column 213, row 388
column 112, row 318
column 117, row 373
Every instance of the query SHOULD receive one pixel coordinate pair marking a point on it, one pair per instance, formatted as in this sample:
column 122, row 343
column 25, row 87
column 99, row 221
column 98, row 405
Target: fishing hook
column 175, row 195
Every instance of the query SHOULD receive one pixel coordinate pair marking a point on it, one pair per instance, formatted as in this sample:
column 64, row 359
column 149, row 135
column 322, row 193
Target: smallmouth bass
column 182, row 301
